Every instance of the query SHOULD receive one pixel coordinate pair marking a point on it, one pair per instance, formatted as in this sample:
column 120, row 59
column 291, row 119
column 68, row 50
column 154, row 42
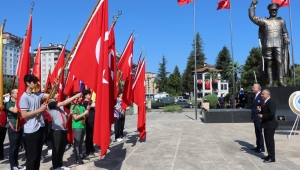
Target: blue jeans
column 15, row 139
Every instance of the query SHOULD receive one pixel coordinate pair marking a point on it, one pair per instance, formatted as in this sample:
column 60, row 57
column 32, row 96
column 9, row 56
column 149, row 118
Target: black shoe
column 269, row 160
column 79, row 160
column 83, row 157
column 259, row 150
column 267, row 157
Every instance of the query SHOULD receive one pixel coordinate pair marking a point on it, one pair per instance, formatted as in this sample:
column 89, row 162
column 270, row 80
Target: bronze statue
column 274, row 43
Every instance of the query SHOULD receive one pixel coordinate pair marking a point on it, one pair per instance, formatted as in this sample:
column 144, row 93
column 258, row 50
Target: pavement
column 176, row 141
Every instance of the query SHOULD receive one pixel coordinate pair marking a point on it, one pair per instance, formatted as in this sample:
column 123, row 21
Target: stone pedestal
column 281, row 97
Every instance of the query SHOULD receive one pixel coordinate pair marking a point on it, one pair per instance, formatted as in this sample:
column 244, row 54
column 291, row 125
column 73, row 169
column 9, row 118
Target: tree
column 188, row 75
column 237, row 69
column 175, row 83
column 252, row 65
column 162, row 79
column 8, row 86
column 290, row 80
column 223, row 61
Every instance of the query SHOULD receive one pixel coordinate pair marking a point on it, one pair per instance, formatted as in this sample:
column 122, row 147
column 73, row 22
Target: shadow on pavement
column 114, row 159
column 247, row 148
column 286, row 133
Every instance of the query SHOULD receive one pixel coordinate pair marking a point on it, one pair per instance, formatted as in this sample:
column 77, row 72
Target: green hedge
column 172, row 108
column 212, row 99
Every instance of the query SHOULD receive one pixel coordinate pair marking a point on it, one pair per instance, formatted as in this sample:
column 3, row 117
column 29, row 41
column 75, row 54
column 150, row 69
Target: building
column 12, row 45
column 49, row 58
column 150, row 83
column 209, row 82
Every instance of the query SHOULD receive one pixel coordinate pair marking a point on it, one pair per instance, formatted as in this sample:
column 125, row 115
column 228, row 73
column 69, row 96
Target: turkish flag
column 282, row 2
column 48, row 82
column 139, row 99
column 69, row 85
column 183, row 2
column 224, row 4
column 58, row 69
column 24, row 63
column 87, row 53
column 127, row 93
column 125, row 62
column 37, row 63
column 112, row 66
column 102, row 124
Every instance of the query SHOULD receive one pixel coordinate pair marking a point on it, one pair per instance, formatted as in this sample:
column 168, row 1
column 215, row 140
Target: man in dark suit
column 256, row 120
column 269, row 123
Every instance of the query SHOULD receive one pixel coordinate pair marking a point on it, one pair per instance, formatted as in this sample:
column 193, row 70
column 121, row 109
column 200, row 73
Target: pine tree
column 162, row 79
column 188, row 74
column 175, row 83
column 223, row 62
column 252, row 65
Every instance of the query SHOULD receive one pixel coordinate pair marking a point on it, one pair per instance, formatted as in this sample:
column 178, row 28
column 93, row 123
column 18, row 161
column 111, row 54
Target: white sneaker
column 119, row 140
column 15, row 168
column 65, row 168
column 49, row 152
column 58, row 168
column 21, row 167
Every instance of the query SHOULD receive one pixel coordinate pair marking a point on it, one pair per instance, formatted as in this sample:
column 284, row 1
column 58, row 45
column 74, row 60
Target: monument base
column 279, row 94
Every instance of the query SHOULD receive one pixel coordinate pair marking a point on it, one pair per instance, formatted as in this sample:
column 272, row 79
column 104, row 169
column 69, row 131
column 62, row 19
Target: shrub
column 172, row 108
column 212, row 99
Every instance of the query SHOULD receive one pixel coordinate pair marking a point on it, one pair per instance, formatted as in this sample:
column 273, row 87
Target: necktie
column 263, row 104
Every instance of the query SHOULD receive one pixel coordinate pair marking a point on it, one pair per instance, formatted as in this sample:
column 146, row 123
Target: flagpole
column 233, row 82
column 195, row 73
column 292, row 44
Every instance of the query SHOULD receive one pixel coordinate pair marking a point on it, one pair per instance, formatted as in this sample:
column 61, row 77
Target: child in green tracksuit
column 79, row 113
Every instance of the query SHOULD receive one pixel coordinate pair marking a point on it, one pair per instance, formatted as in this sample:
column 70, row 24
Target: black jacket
column 268, row 111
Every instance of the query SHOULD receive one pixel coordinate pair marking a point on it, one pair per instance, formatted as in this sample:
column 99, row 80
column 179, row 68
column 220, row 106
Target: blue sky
column 162, row 26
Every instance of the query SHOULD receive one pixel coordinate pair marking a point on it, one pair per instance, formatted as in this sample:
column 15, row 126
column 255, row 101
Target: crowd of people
column 39, row 124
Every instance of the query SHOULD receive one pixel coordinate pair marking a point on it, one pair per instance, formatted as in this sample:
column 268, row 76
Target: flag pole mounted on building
column 283, row 3
column 226, row 5
column 182, row 2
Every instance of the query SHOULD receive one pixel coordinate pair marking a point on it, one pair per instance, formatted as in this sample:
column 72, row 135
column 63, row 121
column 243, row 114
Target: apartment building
column 12, row 45
column 49, row 58
column 150, row 83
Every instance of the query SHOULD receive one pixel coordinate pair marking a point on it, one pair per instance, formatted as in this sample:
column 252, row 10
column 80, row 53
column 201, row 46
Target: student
column 89, row 145
column 117, row 115
column 79, row 113
column 59, row 130
column 31, row 108
column 15, row 132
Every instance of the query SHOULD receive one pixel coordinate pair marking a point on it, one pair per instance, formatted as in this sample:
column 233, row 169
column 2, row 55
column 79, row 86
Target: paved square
column 175, row 141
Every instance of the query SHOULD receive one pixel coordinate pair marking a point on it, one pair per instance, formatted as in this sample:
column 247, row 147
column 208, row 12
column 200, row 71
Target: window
column 223, row 86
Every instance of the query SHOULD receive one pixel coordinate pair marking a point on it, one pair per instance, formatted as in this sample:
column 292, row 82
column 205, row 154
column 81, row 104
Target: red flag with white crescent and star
column 102, row 124
column 58, row 68
column 282, row 2
column 183, row 2
column 125, row 62
column 86, row 56
column 139, row 99
column 224, row 4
